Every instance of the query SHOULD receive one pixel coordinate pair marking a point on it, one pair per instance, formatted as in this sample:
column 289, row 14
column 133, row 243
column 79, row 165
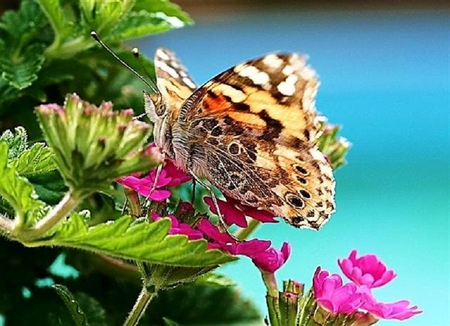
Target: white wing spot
column 234, row 94
column 163, row 55
column 272, row 60
column 189, row 82
column 163, row 66
column 257, row 76
column 288, row 70
column 287, row 87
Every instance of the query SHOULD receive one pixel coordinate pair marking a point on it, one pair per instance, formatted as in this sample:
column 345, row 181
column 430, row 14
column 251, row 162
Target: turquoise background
column 385, row 79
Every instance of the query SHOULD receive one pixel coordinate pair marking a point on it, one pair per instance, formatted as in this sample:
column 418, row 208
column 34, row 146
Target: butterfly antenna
column 126, row 65
column 137, row 55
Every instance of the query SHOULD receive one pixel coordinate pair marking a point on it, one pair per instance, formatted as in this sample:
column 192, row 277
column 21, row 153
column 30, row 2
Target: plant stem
column 139, row 307
column 133, row 200
column 243, row 234
column 271, row 283
column 57, row 214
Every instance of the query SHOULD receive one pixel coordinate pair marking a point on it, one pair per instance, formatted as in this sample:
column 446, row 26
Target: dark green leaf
column 78, row 316
column 21, row 70
column 128, row 239
column 24, row 27
column 168, row 322
column 200, row 304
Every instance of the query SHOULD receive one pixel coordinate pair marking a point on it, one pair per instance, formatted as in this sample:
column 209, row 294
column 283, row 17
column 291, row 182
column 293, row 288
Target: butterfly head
column 157, row 112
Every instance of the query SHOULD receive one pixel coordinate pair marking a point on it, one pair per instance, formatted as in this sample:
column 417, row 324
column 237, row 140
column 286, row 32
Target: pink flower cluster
column 366, row 272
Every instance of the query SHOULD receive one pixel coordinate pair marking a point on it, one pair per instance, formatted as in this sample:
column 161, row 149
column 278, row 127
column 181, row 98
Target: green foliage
column 46, row 51
column 203, row 304
column 78, row 316
column 18, row 191
column 131, row 239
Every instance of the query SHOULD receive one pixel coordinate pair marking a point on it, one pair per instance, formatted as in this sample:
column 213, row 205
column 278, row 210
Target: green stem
column 57, row 214
column 271, row 283
column 68, row 49
column 139, row 307
column 243, row 234
column 134, row 202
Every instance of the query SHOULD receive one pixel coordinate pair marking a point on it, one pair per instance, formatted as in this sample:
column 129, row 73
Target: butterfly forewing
column 252, row 132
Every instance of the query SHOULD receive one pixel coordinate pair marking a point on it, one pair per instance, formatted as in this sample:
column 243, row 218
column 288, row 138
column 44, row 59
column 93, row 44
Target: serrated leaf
column 18, row 191
column 142, row 23
column 165, row 7
column 128, row 239
column 21, row 70
column 78, row 316
column 17, row 142
column 25, row 25
column 36, row 160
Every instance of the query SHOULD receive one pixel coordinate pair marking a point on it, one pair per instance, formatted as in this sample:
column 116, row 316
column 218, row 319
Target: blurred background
column 384, row 70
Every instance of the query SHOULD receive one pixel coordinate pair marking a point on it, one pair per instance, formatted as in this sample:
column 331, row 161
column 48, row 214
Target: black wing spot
column 301, row 169
column 294, row 200
column 304, row 194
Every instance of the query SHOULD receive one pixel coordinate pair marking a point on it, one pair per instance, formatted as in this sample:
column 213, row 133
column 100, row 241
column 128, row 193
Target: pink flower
column 224, row 241
column 170, row 176
column 271, row 259
column 333, row 295
column 250, row 248
column 179, row 228
column 367, row 270
column 176, row 175
column 399, row 310
column 143, row 186
column 234, row 213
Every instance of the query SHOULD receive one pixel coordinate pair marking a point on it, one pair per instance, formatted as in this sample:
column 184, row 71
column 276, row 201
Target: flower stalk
column 69, row 202
column 145, row 297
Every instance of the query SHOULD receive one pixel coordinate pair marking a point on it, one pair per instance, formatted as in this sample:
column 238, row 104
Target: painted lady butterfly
column 251, row 131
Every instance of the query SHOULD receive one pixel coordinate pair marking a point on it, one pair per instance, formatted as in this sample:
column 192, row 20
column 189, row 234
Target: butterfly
column 251, row 131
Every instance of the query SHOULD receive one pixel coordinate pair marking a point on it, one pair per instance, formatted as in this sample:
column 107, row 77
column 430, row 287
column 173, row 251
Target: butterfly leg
column 222, row 223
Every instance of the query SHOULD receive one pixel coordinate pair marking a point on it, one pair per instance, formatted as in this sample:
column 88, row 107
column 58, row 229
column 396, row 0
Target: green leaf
column 214, row 279
column 142, row 23
column 17, row 141
column 21, row 70
column 23, row 27
column 18, row 191
column 165, row 7
column 103, row 15
column 36, row 160
column 61, row 24
column 128, row 239
column 78, row 316
column 168, row 322
column 200, row 304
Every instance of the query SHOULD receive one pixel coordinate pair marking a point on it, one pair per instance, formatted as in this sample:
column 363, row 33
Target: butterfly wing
column 172, row 79
column 252, row 131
